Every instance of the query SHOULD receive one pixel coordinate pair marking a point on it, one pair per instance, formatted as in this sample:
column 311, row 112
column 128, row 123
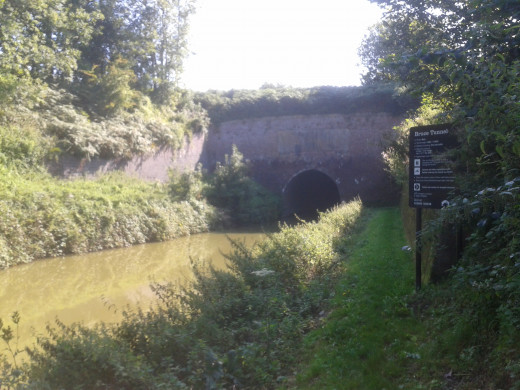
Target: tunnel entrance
column 307, row 193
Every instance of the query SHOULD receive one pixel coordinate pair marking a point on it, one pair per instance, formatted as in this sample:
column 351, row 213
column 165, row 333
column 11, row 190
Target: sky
column 244, row 44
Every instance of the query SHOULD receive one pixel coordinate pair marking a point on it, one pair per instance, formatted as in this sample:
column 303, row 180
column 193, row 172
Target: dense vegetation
column 240, row 199
column 46, row 217
column 278, row 100
column 43, row 216
column 106, row 50
column 242, row 327
column 98, row 77
column 462, row 59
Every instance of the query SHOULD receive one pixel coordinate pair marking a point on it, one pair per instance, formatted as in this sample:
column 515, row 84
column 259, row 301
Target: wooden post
column 418, row 248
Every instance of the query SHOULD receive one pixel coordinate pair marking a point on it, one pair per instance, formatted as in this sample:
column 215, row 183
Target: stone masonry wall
column 153, row 166
column 345, row 147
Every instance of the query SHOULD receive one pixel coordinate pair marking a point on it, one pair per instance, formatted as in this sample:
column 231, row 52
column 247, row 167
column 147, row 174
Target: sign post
column 431, row 180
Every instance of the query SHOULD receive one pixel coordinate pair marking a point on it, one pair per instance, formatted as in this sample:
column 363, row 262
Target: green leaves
column 48, row 41
column 41, row 39
column 243, row 200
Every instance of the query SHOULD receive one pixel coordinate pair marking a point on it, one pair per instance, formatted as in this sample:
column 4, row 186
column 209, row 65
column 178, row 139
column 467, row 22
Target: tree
column 168, row 41
column 466, row 55
column 150, row 35
column 67, row 42
column 40, row 39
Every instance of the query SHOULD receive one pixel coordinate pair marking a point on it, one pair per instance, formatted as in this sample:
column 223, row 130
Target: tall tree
column 161, row 27
column 150, row 35
column 421, row 40
column 41, row 38
column 466, row 54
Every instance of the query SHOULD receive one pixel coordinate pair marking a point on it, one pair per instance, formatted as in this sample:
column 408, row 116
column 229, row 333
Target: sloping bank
column 41, row 216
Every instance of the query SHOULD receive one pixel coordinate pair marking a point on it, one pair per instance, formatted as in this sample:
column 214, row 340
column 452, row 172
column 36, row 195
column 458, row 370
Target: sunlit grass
column 370, row 339
column 43, row 216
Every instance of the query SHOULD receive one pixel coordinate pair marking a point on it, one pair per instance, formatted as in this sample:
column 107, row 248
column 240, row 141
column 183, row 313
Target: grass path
column 370, row 339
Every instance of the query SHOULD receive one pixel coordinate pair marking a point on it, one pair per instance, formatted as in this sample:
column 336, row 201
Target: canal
column 98, row 286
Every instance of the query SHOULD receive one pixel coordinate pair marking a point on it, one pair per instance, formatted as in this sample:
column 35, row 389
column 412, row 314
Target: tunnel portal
column 307, row 193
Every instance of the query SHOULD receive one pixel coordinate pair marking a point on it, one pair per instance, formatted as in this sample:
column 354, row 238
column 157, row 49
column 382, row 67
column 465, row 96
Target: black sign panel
column 431, row 179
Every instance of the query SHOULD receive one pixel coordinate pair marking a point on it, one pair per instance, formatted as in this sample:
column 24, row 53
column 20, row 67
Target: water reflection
column 95, row 287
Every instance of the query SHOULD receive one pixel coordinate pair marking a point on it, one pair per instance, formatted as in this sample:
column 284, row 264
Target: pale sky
column 242, row 44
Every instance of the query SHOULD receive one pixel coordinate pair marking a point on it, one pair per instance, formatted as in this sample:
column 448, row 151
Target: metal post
column 418, row 248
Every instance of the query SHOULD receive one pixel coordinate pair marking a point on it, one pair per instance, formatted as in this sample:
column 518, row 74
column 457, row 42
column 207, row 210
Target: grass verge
column 370, row 339
column 42, row 216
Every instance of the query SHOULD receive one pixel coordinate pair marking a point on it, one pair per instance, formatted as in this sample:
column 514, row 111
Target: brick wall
column 345, row 147
column 152, row 166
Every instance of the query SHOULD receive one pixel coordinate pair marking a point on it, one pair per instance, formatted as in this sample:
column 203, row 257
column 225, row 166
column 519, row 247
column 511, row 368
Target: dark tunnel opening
column 307, row 193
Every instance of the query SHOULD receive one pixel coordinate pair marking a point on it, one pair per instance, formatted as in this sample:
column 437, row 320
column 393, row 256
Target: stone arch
column 308, row 192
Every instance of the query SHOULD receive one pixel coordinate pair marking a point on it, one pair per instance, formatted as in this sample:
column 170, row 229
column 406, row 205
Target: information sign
column 431, row 179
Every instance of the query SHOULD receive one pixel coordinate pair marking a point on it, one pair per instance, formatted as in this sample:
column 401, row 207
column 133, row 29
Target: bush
column 244, row 200
column 240, row 199
column 22, row 147
column 188, row 185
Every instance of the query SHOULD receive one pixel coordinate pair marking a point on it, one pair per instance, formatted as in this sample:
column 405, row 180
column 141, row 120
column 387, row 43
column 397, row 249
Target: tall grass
column 42, row 216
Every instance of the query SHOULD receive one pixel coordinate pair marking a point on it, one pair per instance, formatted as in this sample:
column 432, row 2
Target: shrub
column 187, row 185
column 244, row 200
column 240, row 199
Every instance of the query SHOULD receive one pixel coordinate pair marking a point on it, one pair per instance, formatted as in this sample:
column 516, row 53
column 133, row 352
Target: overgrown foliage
column 43, row 216
column 124, row 134
column 100, row 77
column 242, row 327
column 229, row 188
column 245, row 201
column 464, row 57
column 278, row 100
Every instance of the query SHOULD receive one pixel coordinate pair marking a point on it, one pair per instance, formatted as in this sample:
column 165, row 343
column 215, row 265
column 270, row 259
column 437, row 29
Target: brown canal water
column 96, row 287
